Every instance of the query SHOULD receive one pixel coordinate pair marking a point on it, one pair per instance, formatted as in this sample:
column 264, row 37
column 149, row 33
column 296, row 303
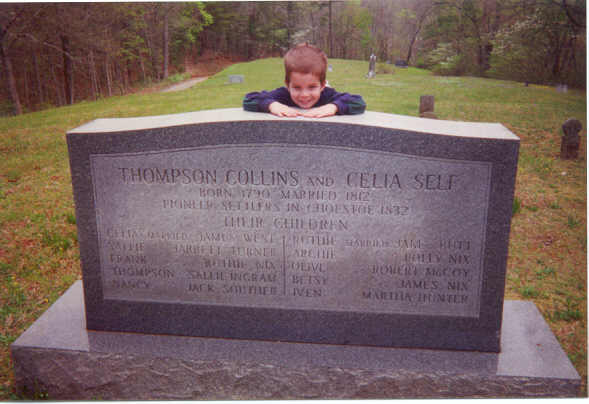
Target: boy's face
column 305, row 89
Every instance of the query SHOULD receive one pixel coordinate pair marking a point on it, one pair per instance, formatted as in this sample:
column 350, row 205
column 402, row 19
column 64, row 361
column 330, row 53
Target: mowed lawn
column 39, row 257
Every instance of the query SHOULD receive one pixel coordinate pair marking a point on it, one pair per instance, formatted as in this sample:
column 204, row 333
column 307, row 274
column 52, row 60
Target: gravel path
column 184, row 85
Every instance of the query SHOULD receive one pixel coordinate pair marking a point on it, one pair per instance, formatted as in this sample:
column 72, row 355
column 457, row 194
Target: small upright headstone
column 236, row 78
column 329, row 68
column 569, row 147
column 562, row 88
column 426, row 107
column 372, row 67
column 401, row 63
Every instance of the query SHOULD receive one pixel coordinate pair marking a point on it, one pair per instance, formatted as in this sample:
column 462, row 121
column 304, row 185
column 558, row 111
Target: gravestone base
column 58, row 358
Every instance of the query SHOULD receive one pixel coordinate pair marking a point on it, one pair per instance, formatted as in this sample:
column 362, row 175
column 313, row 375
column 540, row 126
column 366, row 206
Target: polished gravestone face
column 374, row 229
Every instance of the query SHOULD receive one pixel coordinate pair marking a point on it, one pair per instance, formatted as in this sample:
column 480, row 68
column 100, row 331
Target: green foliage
column 56, row 241
column 539, row 48
column 407, row 13
column 6, row 108
column 572, row 221
column 540, row 164
column 13, row 175
column 383, row 68
column 539, row 42
column 70, row 218
column 446, row 61
column 529, row 292
column 178, row 77
column 133, row 44
column 570, row 312
column 190, row 21
column 354, row 24
column 544, row 272
column 517, row 206
column 554, row 205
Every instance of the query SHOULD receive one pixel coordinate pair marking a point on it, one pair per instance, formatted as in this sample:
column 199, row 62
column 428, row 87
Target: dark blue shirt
column 347, row 104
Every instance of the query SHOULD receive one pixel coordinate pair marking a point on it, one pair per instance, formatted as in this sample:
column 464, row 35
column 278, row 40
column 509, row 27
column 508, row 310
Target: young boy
column 305, row 67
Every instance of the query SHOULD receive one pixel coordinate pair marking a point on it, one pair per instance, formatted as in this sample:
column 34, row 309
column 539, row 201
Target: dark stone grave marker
column 570, row 141
column 283, row 230
column 426, row 107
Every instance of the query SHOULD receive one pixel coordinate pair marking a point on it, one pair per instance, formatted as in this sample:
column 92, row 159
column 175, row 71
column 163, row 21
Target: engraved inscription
column 294, row 227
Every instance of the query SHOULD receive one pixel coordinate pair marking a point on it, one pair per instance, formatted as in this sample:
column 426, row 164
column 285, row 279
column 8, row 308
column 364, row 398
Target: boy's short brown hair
column 305, row 58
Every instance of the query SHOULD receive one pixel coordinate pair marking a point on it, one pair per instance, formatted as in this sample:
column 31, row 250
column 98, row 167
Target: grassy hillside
column 39, row 256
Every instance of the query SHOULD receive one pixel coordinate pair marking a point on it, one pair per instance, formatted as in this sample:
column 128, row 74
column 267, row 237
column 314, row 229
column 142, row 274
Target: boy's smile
column 305, row 89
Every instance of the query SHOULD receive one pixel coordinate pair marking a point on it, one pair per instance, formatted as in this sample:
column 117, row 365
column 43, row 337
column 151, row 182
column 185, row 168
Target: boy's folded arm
column 348, row 104
column 260, row 101
column 257, row 102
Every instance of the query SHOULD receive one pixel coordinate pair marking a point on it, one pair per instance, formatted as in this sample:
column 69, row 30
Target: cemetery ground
column 39, row 257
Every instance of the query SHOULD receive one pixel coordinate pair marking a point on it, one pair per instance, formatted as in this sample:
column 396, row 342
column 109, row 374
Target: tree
column 543, row 47
column 15, row 19
column 352, row 30
column 416, row 18
column 7, row 65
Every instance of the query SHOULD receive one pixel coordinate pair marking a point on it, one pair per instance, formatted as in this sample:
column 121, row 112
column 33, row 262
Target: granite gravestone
column 377, row 229
column 335, row 230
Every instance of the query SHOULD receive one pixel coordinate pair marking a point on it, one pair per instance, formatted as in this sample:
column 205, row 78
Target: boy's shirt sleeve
column 347, row 104
column 260, row 101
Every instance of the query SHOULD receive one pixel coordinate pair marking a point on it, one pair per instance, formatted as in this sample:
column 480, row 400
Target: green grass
column 39, row 255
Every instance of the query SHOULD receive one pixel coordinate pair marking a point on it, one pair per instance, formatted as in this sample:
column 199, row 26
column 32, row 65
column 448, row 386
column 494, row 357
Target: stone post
column 371, row 67
column 426, row 107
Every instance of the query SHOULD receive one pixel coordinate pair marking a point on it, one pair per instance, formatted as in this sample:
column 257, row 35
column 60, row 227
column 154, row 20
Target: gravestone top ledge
column 369, row 118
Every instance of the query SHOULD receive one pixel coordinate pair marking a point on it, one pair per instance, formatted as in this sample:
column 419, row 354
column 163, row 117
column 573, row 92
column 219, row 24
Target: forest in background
column 54, row 54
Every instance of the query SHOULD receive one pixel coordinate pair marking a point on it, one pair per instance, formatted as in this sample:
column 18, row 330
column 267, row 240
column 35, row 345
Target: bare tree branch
column 569, row 14
column 45, row 43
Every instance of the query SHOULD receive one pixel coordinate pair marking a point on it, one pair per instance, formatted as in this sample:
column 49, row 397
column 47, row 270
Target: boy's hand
column 320, row 112
column 279, row 109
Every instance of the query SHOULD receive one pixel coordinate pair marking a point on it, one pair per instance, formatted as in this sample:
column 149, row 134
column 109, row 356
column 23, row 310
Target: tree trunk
column 26, row 85
column 251, row 32
column 38, row 78
column 166, row 47
column 330, row 33
column 289, row 23
column 119, row 74
column 556, row 58
column 128, row 75
column 11, row 82
column 142, row 65
column 57, row 86
column 108, row 75
column 68, row 75
column 93, row 77
column 151, row 49
column 410, row 51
